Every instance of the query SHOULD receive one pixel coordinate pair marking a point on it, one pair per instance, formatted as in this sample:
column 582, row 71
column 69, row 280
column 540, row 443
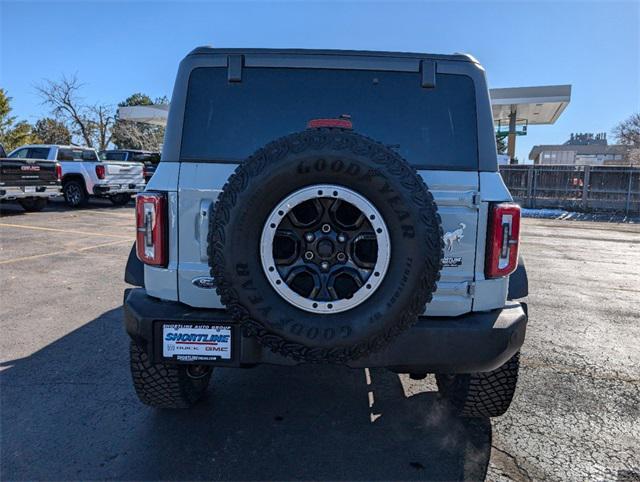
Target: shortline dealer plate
column 196, row 342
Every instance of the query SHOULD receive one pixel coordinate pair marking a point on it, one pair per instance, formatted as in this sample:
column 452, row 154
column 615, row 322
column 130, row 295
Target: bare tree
column 136, row 135
column 627, row 133
column 91, row 123
column 102, row 125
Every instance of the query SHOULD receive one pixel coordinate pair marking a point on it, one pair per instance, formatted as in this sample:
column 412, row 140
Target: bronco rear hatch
column 426, row 113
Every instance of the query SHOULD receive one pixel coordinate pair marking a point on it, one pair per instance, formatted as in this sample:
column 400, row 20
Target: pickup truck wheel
column 33, row 204
column 75, row 194
column 481, row 394
column 120, row 199
column 163, row 385
column 325, row 245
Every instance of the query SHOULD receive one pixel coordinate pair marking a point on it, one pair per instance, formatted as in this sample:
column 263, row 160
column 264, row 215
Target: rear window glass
column 66, row 154
column 146, row 157
column 431, row 128
column 113, row 156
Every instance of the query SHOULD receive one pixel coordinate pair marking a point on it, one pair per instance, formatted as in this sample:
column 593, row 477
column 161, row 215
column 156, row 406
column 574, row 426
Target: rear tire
column 120, row 199
column 75, row 194
column 162, row 385
column 481, row 394
column 33, row 204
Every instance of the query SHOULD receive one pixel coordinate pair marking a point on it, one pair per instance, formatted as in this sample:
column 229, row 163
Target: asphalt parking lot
column 68, row 411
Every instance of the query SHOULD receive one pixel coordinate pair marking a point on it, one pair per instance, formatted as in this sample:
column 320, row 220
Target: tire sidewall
column 407, row 210
column 83, row 194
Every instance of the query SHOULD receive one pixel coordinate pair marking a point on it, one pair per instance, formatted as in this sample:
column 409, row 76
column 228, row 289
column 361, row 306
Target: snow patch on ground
column 575, row 216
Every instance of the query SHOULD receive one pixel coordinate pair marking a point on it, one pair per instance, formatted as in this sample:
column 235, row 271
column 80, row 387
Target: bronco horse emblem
column 453, row 236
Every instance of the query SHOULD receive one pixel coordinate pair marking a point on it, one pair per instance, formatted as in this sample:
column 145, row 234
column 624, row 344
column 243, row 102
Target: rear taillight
column 503, row 237
column 151, row 227
column 58, row 172
column 100, row 171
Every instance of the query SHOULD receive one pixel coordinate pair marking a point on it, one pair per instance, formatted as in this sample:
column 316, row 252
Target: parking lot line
column 40, row 228
column 66, row 251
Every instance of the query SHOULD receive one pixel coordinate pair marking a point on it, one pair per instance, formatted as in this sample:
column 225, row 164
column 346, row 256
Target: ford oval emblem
column 204, row 282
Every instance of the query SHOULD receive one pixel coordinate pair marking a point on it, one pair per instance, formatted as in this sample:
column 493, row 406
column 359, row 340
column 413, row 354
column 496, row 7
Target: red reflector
column 339, row 123
column 100, row 171
column 151, row 228
column 58, row 172
column 503, row 238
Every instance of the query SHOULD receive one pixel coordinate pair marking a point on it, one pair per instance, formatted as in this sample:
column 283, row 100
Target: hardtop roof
column 207, row 50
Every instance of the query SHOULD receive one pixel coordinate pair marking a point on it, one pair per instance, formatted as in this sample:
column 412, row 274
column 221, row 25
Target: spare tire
column 325, row 245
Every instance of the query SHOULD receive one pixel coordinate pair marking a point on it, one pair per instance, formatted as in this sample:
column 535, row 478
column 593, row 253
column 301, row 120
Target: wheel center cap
column 325, row 248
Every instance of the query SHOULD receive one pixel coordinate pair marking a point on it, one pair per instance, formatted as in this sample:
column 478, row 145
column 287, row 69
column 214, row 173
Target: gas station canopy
column 533, row 105
column 155, row 114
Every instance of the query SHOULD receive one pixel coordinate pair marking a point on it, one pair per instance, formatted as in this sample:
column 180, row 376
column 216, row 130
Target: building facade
column 581, row 149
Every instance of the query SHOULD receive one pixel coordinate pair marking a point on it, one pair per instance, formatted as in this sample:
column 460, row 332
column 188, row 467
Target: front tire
column 480, row 395
column 33, row 204
column 75, row 194
column 162, row 385
column 121, row 199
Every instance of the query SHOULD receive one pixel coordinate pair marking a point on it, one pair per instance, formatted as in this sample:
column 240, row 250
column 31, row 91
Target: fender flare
column 518, row 282
column 134, row 271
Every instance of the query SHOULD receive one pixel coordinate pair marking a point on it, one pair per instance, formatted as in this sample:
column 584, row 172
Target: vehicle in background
column 150, row 159
column 85, row 175
column 29, row 180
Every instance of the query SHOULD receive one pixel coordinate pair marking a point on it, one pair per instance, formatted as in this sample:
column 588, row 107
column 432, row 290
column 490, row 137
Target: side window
column 65, row 155
column 38, row 153
column 19, row 153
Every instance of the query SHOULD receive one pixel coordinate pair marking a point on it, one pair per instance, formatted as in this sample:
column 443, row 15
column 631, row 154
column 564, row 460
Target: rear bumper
column 124, row 188
column 9, row 193
column 474, row 342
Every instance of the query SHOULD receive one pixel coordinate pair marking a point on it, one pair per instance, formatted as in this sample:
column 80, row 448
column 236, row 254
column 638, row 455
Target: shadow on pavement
column 69, row 412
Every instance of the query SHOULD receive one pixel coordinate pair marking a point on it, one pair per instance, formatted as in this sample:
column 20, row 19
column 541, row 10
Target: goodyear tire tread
column 163, row 385
column 481, row 394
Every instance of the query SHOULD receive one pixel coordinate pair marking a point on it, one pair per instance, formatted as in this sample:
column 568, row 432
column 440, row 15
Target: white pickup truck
column 84, row 174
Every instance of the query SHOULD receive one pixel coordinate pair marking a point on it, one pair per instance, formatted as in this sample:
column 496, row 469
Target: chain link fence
column 614, row 189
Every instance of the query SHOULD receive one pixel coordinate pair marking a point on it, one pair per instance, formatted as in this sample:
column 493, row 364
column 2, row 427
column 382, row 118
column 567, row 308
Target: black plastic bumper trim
column 479, row 341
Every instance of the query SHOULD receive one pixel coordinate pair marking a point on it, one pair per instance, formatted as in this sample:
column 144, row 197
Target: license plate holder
column 198, row 341
column 29, row 189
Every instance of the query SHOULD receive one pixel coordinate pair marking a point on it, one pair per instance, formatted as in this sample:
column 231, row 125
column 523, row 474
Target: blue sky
column 118, row 48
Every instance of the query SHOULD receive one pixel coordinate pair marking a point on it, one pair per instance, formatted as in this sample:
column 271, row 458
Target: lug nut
column 324, row 265
column 326, row 228
column 341, row 256
column 308, row 255
column 342, row 238
column 309, row 237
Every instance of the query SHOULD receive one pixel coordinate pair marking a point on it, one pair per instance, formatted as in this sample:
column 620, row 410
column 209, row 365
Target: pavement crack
column 521, row 471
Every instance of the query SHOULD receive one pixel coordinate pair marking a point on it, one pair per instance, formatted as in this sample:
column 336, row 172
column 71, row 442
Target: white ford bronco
column 327, row 207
